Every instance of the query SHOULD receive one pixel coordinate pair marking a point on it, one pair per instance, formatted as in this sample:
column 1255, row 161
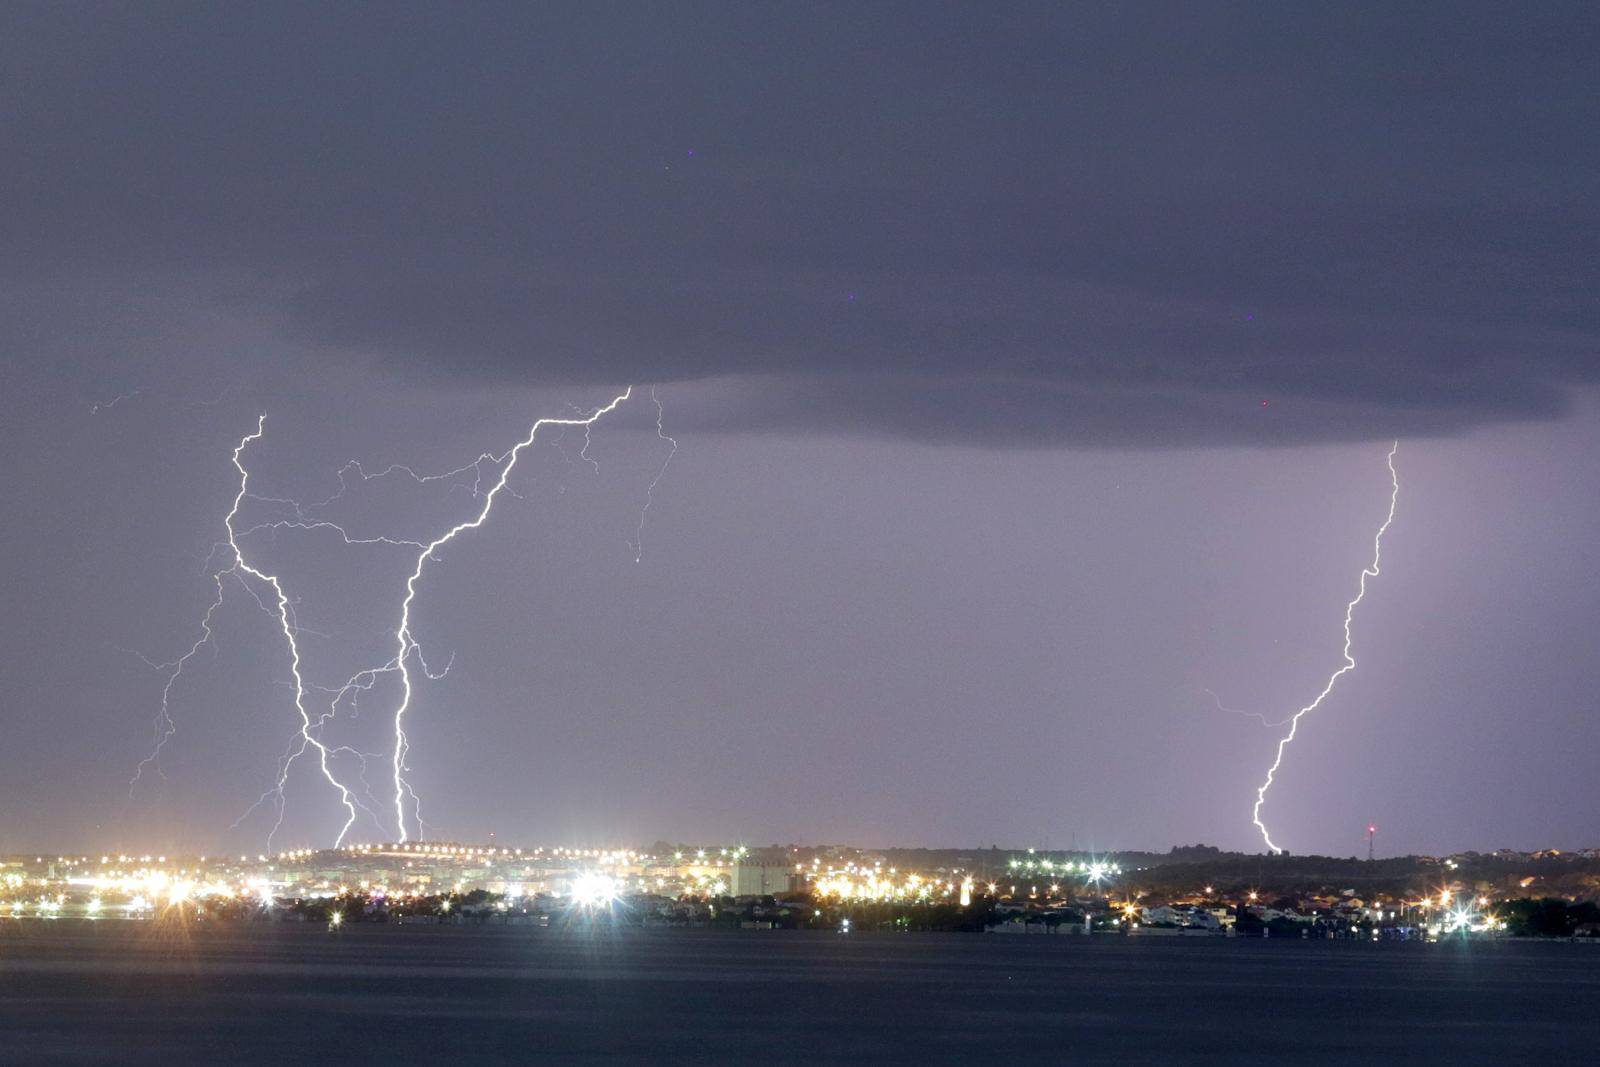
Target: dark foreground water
column 287, row 994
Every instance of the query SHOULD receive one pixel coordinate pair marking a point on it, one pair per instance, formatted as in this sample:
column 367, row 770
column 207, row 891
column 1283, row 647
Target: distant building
column 760, row 880
column 1169, row 915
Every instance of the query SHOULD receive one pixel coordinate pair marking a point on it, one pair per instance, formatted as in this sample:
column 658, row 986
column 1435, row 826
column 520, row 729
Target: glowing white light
column 594, row 890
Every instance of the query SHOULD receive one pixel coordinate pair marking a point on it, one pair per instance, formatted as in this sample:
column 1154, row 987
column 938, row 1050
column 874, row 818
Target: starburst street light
column 594, row 890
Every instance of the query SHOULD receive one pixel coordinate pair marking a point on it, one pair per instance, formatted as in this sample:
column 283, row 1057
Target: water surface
column 289, row 993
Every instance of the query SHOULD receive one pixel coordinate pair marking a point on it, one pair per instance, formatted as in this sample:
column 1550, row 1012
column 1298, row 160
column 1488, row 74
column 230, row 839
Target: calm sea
column 288, row 994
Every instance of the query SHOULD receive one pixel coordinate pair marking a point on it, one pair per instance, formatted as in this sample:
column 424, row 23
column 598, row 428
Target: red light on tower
column 1372, row 829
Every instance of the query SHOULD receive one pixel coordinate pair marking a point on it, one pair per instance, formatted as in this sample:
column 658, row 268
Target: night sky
column 1032, row 369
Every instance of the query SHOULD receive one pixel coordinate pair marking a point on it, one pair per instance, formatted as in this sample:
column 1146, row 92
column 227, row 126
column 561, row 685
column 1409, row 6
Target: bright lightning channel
column 282, row 614
column 1349, row 660
column 406, row 645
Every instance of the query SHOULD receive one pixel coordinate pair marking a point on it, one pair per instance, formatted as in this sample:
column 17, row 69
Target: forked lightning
column 279, row 607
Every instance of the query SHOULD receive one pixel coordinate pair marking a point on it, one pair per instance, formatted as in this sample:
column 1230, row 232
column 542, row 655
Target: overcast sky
column 1032, row 369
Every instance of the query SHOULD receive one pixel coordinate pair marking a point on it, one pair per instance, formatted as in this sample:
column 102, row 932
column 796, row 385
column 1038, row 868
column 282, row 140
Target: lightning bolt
column 1349, row 660
column 283, row 613
column 406, row 645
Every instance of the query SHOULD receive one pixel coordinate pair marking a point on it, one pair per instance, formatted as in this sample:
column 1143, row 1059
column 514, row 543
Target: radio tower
column 1371, row 830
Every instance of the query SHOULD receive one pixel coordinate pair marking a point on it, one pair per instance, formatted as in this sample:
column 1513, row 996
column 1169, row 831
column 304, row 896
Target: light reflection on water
column 269, row 991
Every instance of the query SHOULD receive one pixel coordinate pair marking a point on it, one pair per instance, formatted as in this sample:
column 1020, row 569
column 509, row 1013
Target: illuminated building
column 760, row 879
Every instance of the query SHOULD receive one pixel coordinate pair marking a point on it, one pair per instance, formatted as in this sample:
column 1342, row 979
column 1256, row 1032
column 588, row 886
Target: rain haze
column 1030, row 372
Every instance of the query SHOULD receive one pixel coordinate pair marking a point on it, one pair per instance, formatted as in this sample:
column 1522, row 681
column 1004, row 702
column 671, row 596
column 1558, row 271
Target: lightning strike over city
column 387, row 677
column 1370, row 571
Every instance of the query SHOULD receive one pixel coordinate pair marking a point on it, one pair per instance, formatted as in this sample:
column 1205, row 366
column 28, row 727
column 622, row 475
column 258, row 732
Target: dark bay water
column 285, row 994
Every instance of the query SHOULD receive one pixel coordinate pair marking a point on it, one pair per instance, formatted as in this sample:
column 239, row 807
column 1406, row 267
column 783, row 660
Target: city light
column 594, row 890
column 447, row 882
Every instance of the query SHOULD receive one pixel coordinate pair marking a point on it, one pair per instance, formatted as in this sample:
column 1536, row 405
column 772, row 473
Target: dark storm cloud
column 1019, row 224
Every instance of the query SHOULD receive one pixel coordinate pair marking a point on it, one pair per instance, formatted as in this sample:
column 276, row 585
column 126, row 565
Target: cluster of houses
column 1344, row 916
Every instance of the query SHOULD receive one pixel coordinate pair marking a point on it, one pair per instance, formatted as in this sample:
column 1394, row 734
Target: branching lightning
column 165, row 727
column 1349, row 661
column 1262, row 719
column 307, row 739
column 283, row 613
column 490, row 477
